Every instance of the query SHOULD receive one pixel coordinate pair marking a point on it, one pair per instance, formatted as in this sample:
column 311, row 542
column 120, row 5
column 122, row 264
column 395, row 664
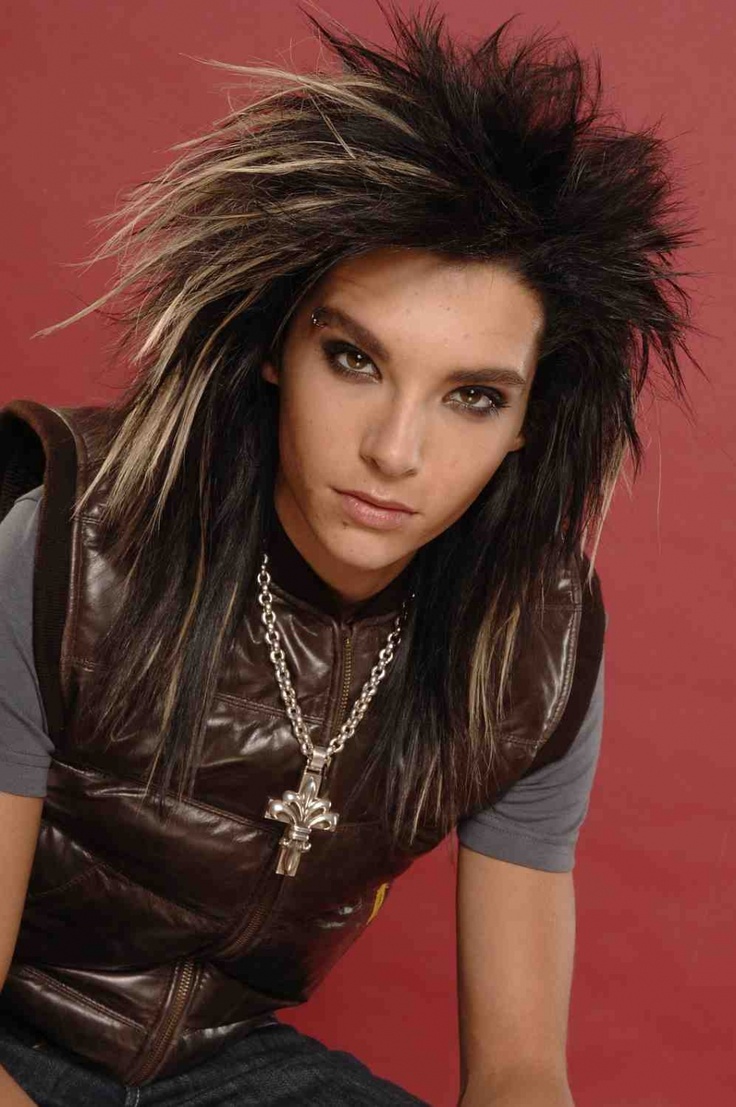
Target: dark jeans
column 273, row 1065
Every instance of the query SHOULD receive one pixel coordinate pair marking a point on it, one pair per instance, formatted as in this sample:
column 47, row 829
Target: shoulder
column 25, row 746
column 18, row 534
column 556, row 656
column 32, row 498
column 585, row 664
column 537, row 821
column 25, row 505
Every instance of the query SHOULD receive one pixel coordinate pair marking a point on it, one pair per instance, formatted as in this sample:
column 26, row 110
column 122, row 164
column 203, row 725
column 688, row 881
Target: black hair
column 501, row 151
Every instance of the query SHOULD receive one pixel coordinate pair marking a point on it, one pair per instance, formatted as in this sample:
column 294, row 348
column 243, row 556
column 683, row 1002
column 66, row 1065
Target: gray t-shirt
column 535, row 823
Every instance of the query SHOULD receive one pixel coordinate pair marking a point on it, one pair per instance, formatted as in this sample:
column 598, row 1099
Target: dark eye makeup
column 333, row 349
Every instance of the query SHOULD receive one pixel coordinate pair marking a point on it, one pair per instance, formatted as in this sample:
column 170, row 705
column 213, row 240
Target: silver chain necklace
column 305, row 810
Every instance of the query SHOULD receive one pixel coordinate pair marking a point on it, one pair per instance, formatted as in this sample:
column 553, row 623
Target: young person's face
column 410, row 385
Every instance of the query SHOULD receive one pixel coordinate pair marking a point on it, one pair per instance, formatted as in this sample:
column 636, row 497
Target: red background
column 97, row 92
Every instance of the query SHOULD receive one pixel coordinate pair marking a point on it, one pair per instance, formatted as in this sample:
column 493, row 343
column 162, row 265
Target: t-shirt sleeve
column 25, row 746
column 537, row 820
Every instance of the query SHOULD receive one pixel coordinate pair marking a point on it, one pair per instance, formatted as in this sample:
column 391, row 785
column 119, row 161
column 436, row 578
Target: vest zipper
column 265, row 896
column 272, row 884
column 160, row 1043
column 347, row 674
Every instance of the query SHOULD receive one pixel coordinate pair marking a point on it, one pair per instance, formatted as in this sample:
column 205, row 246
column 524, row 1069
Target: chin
column 359, row 548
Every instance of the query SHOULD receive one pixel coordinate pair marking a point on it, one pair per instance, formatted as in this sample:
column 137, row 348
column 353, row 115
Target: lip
column 367, row 514
column 384, row 505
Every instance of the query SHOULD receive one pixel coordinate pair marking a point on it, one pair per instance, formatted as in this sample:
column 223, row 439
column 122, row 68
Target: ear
column 518, row 443
column 269, row 372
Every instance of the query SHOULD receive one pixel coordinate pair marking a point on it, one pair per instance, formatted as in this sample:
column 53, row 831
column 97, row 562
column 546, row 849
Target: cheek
column 462, row 476
column 314, row 427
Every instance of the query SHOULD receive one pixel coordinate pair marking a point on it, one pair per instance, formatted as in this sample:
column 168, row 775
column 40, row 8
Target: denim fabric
column 275, row 1065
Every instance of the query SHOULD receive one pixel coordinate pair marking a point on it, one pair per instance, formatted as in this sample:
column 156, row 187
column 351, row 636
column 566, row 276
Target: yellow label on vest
column 380, row 897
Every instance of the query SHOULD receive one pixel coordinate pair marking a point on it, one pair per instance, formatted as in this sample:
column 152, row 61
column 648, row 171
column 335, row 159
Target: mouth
column 374, row 501
column 377, row 515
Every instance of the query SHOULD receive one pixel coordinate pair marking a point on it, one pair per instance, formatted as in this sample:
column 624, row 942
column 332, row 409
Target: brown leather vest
column 146, row 943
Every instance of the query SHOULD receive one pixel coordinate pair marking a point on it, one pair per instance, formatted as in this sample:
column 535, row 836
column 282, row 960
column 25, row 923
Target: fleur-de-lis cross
column 303, row 811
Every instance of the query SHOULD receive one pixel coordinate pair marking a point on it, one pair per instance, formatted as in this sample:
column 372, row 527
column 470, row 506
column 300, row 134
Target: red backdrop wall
column 97, row 92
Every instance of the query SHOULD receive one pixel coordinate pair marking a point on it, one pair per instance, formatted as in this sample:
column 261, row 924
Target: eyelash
column 333, row 349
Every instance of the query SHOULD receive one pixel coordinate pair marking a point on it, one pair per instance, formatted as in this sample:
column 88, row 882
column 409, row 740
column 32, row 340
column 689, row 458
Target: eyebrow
column 333, row 316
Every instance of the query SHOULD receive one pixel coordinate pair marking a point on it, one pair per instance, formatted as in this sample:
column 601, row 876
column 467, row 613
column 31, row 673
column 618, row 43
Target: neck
column 350, row 585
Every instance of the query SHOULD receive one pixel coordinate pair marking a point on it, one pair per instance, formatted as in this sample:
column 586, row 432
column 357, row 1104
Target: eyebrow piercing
column 314, row 318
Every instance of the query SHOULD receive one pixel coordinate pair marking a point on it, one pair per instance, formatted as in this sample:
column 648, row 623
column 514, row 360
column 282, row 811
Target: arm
column 20, row 817
column 11, row 1094
column 516, row 937
column 25, row 746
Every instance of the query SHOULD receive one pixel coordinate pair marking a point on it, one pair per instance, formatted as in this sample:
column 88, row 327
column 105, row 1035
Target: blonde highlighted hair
column 498, row 151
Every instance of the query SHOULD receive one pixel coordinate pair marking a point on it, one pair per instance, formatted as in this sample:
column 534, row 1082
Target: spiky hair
column 500, row 151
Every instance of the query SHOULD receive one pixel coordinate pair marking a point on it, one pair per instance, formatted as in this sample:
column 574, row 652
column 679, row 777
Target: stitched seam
column 221, row 697
column 577, row 607
column 24, row 760
column 83, row 663
column 84, row 1000
column 156, row 896
column 519, row 743
column 69, row 636
column 35, row 897
column 564, row 605
column 117, row 874
column 241, row 820
column 97, row 865
column 496, row 825
column 271, row 712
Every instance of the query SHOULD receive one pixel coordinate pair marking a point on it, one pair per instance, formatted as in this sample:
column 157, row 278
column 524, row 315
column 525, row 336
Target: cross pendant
column 303, row 811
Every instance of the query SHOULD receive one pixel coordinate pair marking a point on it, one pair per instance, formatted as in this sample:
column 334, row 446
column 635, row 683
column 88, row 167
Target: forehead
column 471, row 309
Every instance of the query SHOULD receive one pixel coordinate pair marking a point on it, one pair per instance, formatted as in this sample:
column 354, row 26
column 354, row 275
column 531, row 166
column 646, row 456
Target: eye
column 347, row 359
column 482, row 401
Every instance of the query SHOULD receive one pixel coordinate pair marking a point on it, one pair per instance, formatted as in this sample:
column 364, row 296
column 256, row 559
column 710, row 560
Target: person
column 318, row 588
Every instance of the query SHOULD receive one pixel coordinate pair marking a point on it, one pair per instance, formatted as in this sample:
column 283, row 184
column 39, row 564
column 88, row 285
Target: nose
column 392, row 440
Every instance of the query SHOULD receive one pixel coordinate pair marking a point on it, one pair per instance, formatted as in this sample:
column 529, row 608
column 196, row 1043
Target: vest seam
column 245, row 820
column 83, row 663
column 222, row 697
column 274, row 713
column 241, row 820
column 128, row 880
column 519, row 743
column 576, row 609
column 560, row 605
column 46, row 978
column 37, row 897
column 502, row 829
column 99, row 864
column 77, row 550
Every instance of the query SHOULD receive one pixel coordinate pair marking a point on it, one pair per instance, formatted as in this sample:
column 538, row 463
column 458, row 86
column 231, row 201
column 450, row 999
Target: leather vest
column 147, row 943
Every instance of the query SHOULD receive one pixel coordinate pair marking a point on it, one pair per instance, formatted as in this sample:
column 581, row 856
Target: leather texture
column 147, row 943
